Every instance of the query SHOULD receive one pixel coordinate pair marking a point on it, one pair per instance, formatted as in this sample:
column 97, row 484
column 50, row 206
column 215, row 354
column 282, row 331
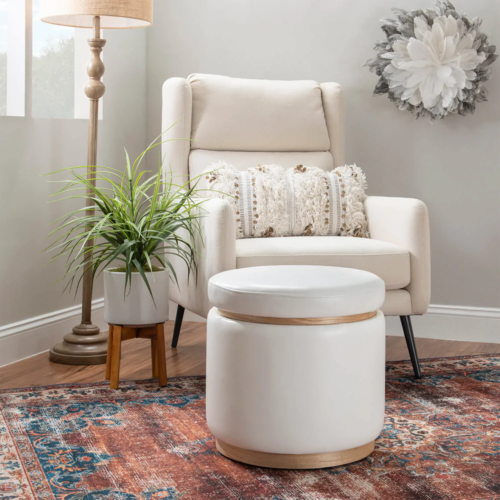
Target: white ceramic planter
column 136, row 308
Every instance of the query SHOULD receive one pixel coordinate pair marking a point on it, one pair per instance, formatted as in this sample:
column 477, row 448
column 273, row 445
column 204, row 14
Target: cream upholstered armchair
column 247, row 122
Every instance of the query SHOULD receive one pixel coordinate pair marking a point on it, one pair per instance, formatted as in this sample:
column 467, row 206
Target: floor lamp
column 86, row 345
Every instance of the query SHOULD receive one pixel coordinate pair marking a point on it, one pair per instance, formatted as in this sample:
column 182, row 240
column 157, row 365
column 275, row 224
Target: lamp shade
column 115, row 14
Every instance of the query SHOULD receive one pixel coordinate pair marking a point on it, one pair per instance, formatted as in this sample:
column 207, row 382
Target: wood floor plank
column 189, row 359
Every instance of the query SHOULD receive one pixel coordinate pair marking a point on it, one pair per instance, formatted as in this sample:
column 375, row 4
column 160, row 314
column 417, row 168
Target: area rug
column 441, row 440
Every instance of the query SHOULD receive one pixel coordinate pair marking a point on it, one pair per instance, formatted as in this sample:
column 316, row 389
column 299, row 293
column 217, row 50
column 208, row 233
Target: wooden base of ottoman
column 309, row 461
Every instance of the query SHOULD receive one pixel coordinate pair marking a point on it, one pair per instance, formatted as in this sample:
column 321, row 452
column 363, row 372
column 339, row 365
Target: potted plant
column 137, row 223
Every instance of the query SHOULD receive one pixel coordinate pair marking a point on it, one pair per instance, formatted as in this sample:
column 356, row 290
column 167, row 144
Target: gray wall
column 453, row 165
column 31, row 147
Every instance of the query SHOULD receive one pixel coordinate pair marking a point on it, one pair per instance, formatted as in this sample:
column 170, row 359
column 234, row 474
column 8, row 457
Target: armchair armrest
column 405, row 222
column 217, row 254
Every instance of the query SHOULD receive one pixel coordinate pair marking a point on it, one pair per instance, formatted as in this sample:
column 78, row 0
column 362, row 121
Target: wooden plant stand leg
column 160, row 353
column 115, row 357
column 154, row 357
column 110, row 353
column 119, row 333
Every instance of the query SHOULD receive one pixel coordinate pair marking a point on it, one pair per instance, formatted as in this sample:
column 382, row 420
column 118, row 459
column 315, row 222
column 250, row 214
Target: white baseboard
column 36, row 335
column 474, row 324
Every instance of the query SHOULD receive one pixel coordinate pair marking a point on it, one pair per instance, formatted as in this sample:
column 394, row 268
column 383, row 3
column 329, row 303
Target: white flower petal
column 417, row 78
column 421, row 27
column 437, row 35
column 408, row 93
column 416, row 99
column 449, row 49
column 451, row 81
column 443, row 72
column 429, row 96
column 470, row 59
column 447, row 97
column 400, row 46
column 465, row 42
column 421, row 23
column 450, row 26
column 459, row 76
column 415, row 65
column 471, row 75
column 389, row 69
column 419, row 51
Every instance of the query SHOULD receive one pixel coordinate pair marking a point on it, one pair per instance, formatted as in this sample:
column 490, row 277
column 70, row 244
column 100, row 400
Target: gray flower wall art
column 433, row 62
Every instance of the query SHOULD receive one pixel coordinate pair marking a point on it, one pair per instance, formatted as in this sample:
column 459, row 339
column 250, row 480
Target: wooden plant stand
column 117, row 333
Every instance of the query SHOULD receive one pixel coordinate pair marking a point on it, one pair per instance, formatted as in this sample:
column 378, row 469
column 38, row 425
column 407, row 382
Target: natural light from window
column 60, row 56
column 58, row 71
column 3, row 56
column 12, row 57
column 53, row 80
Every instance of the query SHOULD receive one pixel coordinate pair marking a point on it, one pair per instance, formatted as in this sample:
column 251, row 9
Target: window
column 53, row 69
column 12, row 57
column 59, row 57
column 4, row 26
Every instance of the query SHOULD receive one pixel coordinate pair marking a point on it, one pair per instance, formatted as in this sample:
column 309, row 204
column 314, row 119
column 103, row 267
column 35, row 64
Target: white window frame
column 16, row 60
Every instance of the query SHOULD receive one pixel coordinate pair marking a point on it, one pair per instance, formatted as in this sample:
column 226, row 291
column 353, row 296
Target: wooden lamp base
column 117, row 333
column 282, row 461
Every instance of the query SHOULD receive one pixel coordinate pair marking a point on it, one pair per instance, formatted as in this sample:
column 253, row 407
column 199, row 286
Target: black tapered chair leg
column 410, row 342
column 178, row 323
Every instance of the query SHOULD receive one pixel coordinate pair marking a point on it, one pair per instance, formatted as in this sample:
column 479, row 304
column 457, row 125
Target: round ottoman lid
column 296, row 291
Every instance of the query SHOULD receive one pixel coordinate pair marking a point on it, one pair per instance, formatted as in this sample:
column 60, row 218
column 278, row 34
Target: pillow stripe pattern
column 270, row 201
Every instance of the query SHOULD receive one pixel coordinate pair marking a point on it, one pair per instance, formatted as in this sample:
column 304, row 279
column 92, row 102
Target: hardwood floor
column 189, row 359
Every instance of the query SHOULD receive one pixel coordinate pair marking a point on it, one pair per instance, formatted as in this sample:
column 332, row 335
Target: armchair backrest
column 247, row 122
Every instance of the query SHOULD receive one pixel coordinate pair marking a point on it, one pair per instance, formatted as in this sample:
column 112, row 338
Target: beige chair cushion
column 397, row 303
column 388, row 261
column 233, row 114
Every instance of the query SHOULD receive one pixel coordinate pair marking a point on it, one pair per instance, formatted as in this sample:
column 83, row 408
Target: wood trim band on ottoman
column 282, row 461
column 335, row 320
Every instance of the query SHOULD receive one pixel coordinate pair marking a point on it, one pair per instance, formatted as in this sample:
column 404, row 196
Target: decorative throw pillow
column 269, row 200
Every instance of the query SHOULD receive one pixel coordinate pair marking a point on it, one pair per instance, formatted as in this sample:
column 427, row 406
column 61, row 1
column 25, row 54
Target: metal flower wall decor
column 434, row 62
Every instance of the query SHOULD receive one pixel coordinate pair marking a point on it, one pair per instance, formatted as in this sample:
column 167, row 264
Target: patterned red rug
column 85, row 442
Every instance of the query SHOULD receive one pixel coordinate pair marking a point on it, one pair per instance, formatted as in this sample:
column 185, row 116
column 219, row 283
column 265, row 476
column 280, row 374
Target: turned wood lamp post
column 86, row 345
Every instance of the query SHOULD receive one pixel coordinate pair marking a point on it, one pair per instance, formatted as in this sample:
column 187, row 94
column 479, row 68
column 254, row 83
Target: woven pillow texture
column 271, row 201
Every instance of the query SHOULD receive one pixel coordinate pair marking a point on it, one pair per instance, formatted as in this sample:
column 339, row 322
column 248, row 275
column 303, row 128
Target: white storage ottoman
column 296, row 365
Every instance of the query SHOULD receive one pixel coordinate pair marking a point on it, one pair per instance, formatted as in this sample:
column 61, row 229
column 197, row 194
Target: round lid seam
column 242, row 292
